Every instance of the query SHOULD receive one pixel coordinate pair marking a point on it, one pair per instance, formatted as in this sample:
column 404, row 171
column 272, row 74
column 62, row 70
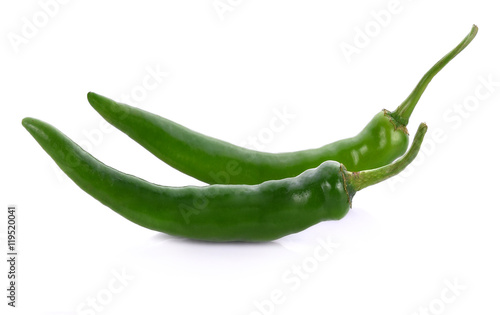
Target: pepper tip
column 30, row 124
column 27, row 122
column 91, row 96
column 97, row 100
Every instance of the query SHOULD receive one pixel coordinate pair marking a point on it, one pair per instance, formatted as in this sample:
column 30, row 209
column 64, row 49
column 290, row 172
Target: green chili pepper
column 262, row 212
column 384, row 139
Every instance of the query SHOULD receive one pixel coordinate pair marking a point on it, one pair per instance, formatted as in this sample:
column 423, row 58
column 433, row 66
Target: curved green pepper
column 210, row 160
column 261, row 212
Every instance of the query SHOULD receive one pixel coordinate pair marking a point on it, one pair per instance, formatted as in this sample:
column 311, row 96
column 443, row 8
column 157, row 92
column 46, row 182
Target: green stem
column 363, row 179
column 403, row 112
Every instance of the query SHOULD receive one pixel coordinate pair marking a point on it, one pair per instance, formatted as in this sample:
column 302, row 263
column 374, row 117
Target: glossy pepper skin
column 219, row 213
column 210, row 160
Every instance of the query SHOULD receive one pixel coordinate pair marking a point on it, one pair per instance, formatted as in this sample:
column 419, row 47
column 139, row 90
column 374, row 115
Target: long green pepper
column 260, row 212
column 210, row 160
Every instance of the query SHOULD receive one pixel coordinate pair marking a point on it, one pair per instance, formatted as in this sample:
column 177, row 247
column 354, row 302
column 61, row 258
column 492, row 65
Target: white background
column 398, row 251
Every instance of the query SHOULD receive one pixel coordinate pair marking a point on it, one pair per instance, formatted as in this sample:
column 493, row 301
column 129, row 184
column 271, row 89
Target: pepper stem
column 403, row 112
column 363, row 179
